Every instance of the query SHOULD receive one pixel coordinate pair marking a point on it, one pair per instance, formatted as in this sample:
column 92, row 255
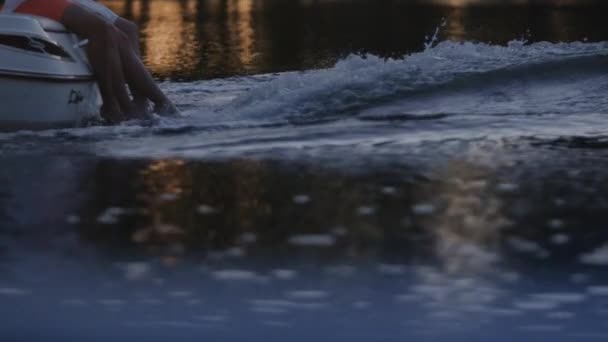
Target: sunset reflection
column 164, row 183
column 243, row 24
column 168, row 35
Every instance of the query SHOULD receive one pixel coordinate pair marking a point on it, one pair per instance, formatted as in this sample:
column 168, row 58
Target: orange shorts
column 52, row 9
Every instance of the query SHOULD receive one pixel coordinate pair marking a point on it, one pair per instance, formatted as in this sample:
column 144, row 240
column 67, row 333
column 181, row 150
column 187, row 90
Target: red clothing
column 52, row 9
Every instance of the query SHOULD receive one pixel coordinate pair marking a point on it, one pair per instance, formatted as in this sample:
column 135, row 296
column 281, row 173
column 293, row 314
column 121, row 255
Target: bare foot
column 142, row 106
column 112, row 116
column 142, row 109
column 166, row 109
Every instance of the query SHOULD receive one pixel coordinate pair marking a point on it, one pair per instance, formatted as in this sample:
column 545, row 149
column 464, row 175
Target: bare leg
column 104, row 57
column 132, row 32
column 140, row 80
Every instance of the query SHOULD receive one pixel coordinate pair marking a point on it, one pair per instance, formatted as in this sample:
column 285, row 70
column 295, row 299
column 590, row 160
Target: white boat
column 45, row 78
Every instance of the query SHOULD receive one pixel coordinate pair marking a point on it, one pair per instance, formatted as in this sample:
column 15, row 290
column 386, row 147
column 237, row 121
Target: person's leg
column 142, row 85
column 132, row 33
column 103, row 54
column 140, row 80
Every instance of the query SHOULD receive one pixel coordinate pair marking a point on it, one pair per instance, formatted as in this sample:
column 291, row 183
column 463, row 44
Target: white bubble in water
column 110, row 215
column 248, row 238
column 389, row 190
column 314, row 240
column 598, row 290
column 507, row 187
column 366, row 210
column 112, row 302
column 423, row 209
column 180, row 294
column 561, row 297
column 204, row 209
column 72, row 219
column 168, row 197
column 556, row 224
column 560, row 239
column 75, row 302
column 579, row 278
column 560, row 315
column 361, row 305
column 536, row 305
column 284, row 274
column 340, row 270
column 11, row 291
column 598, row 256
column 136, row 270
column 301, row 199
column 308, row 294
column 234, row 275
column 391, row 269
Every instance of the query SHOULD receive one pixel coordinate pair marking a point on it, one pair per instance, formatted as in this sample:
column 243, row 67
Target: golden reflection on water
column 455, row 25
column 168, row 36
column 165, row 183
column 241, row 28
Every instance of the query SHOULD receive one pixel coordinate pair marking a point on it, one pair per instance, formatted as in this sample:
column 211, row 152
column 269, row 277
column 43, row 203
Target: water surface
column 349, row 170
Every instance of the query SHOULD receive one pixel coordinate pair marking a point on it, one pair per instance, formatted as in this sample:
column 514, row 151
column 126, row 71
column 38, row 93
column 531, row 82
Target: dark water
column 454, row 193
column 187, row 40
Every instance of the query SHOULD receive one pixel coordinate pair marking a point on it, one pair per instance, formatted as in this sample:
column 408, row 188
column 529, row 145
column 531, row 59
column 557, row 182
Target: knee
column 128, row 28
column 102, row 32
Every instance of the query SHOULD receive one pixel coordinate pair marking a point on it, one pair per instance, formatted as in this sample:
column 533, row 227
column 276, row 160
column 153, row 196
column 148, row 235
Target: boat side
column 45, row 79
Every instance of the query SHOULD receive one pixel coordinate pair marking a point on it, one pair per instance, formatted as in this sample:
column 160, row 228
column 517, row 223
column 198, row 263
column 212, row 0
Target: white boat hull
column 45, row 80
